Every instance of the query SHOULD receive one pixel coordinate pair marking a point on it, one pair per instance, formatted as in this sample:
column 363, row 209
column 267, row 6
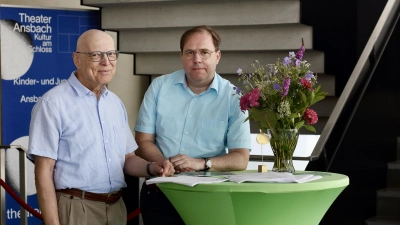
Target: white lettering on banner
column 16, row 214
column 34, row 19
column 52, row 81
column 28, row 99
column 32, row 29
column 40, row 49
column 42, row 37
column 27, row 81
column 40, row 28
column 59, row 81
column 47, row 43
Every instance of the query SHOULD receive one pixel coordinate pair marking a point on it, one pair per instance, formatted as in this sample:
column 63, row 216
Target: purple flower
column 277, row 87
column 292, row 55
column 238, row 90
column 300, row 52
column 286, row 84
column 309, row 75
column 297, row 62
column 286, row 61
column 239, row 71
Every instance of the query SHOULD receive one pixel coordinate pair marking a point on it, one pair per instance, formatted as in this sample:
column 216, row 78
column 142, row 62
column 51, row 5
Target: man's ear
column 76, row 59
column 218, row 55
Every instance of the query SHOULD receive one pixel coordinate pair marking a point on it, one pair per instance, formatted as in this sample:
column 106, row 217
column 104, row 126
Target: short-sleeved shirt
column 88, row 138
column 203, row 125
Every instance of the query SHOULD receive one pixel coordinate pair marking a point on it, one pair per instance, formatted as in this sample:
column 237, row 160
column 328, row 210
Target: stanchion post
column 22, row 184
column 2, row 191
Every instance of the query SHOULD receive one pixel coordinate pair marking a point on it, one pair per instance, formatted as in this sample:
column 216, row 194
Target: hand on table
column 184, row 163
column 167, row 169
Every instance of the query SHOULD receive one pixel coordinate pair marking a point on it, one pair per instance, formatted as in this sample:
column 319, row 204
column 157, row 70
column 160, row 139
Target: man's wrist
column 207, row 164
column 148, row 169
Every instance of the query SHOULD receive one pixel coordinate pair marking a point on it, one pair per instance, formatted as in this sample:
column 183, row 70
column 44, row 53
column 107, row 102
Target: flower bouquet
column 278, row 97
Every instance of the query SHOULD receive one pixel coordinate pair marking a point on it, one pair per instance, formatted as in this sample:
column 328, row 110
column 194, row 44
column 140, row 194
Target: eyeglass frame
column 198, row 52
column 102, row 55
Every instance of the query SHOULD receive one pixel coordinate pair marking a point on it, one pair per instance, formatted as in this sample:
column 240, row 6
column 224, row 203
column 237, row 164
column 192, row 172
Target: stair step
column 234, row 38
column 394, row 165
column 165, row 14
column 382, row 221
column 167, row 62
column 388, row 203
column 393, row 175
column 325, row 107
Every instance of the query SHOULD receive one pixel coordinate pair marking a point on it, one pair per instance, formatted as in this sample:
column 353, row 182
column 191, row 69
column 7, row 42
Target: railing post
column 22, row 185
column 2, row 191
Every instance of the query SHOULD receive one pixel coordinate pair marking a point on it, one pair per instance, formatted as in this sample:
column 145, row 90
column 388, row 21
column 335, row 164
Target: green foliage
column 286, row 91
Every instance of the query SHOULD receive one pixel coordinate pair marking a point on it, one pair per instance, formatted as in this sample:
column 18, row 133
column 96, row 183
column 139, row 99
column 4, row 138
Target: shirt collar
column 81, row 89
column 180, row 79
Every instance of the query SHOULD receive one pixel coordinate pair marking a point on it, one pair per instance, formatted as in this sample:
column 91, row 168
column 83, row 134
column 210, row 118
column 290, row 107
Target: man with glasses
column 190, row 120
column 81, row 142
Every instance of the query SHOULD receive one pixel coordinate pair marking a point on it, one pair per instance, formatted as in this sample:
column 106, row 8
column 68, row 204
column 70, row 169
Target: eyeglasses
column 97, row 56
column 204, row 54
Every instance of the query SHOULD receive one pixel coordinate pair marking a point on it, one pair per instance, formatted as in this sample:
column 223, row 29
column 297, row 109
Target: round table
column 231, row 203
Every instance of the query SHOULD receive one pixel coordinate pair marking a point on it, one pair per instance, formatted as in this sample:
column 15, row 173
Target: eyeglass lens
column 204, row 54
column 97, row 56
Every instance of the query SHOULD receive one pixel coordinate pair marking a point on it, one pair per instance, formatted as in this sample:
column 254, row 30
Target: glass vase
column 283, row 143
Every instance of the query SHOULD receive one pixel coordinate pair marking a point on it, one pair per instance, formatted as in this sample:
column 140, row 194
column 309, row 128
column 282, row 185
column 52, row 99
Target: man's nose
column 105, row 59
column 197, row 57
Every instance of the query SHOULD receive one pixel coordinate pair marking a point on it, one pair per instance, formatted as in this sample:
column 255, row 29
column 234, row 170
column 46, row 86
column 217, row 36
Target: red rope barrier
column 19, row 200
column 37, row 214
column 133, row 214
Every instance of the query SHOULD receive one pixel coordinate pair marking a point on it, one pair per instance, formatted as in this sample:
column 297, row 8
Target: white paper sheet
column 186, row 180
column 273, row 177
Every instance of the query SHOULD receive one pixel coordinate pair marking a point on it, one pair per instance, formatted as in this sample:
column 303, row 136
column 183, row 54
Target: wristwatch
column 207, row 164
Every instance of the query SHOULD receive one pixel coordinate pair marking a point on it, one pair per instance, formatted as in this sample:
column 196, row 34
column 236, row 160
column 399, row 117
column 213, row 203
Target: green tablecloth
column 256, row 203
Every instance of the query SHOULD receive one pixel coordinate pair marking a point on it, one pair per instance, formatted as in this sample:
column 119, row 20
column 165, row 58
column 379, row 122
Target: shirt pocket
column 169, row 128
column 120, row 145
column 212, row 133
column 119, row 140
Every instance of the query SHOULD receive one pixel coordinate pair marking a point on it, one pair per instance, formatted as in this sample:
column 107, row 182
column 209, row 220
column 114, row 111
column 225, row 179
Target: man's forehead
column 199, row 41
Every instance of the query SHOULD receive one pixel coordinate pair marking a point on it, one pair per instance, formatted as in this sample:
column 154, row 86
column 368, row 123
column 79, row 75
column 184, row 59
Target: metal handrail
column 358, row 81
column 22, row 182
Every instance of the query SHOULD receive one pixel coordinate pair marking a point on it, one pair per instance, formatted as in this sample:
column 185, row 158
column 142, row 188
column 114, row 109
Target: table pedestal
column 256, row 203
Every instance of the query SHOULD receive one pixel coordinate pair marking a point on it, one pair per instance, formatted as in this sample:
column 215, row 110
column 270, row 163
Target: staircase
column 388, row 199
column 254, row 29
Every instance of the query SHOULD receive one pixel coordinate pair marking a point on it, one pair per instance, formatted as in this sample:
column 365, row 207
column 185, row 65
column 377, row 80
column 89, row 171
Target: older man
column 81, row 142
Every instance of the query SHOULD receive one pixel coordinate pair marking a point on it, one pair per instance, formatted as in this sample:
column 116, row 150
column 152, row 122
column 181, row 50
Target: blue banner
column 36, row 55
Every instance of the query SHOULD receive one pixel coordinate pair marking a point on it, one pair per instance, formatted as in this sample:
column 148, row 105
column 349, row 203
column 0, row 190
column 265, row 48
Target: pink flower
column 306, row 83
column 310, row 116
column 249, row 99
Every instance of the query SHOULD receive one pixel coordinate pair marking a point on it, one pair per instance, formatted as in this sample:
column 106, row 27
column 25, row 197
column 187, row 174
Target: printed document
column 186, row 180
column 273, row 177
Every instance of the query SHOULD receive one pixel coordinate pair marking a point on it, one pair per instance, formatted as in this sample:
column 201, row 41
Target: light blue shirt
column 203, row 125
column 88, row 138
